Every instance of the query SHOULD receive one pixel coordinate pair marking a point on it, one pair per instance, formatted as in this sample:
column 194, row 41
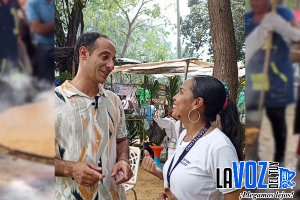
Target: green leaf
column 175, row 83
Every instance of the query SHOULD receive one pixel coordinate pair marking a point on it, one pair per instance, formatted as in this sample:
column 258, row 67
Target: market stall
column 185, row 67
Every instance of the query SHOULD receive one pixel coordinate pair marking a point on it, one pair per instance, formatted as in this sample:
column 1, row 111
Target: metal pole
column 178, row 32
column 169, row 94
column 186, row 69
column 144, row 112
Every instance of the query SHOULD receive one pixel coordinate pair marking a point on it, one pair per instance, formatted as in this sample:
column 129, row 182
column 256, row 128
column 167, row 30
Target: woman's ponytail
column 215, row 95
column 231, row 126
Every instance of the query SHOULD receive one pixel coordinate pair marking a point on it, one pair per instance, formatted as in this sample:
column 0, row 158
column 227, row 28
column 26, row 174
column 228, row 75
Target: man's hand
column 166, row 195
column 125, row 168
column 86, row 173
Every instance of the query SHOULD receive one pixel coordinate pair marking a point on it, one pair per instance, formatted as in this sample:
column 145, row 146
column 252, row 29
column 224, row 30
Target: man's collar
column 102, row 91
column 70, row 90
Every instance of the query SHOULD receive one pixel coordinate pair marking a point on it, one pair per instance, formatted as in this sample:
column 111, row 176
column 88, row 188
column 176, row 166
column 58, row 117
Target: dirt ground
column 147, row 187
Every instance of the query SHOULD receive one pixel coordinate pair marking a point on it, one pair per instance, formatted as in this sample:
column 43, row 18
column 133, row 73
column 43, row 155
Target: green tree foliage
column 175, row 83
column 196, row 28
column 68, row 21
column 152, row 86
column 129, row 24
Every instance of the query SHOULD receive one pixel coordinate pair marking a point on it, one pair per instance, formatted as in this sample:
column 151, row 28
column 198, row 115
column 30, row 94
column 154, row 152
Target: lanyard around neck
column 186, row 150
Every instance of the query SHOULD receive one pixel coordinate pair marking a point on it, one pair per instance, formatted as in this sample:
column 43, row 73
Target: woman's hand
column 149, row 165
column 166, row 195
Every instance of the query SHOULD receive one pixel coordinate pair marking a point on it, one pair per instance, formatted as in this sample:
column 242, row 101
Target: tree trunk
column 60, row 40
column 126, row 41
column 75, row 20
column 59, row 31
column 223, row 40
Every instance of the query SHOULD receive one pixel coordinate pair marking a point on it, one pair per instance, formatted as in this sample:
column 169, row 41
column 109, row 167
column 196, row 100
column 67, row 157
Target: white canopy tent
column 193, row 66
column 190, row 66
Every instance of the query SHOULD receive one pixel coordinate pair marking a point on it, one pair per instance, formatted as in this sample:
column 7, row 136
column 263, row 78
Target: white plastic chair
column 134, row 157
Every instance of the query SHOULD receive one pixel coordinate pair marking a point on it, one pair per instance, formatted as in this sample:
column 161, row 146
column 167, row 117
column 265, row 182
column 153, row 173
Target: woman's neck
column 193, row 129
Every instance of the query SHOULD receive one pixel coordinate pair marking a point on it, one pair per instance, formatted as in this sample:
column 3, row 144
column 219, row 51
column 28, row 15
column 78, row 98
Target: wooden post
column 186, row 69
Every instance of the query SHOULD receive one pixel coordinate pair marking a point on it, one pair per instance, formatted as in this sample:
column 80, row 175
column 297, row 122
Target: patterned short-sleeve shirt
column 84, row 133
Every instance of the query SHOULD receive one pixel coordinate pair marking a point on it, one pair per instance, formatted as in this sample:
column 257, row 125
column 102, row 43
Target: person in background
column 90, row 130
column 42, row 20
column 150, row 113
column 10, row 40
column 125, row 103
column 131, row 106
column 191, row 174
column 166, row 109
column 279, row 90
column 26, row 35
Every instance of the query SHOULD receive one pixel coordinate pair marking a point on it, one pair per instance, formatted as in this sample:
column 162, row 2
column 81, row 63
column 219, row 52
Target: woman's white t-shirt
column 195, row 177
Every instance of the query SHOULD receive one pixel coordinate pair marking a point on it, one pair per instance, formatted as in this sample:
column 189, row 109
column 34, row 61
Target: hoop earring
column 190, row 118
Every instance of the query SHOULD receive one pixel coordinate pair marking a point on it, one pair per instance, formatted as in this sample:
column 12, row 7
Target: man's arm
column 295, row 23
column 122, row 150
column 288, row 30
column 43, row 28
column 85, row 173
column 123, row 163
column 63, row 168
column 254, row 41
column 34, row 18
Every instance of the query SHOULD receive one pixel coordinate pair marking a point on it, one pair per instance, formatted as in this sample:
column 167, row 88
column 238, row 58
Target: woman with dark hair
column 191, row 173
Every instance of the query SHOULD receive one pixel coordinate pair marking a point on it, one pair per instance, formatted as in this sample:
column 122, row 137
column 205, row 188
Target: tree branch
column 68, row 8
column 107, row 23
column 82, row 24
column 139, row 10
column 145, row 26
column 126, row 14
column 140, row 22
column 122, row 32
